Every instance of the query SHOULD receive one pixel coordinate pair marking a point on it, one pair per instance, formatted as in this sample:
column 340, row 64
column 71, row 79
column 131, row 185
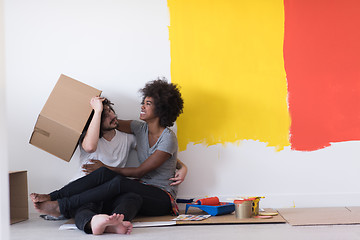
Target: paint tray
column 221, row 209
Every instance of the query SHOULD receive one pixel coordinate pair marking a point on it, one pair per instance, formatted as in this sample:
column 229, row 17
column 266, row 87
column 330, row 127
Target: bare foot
column 48, row 208
column 111, row 224
column 37, row 197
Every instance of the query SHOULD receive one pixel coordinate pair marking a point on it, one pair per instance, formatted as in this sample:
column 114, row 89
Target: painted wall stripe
column 322, row 56
column 227, row 55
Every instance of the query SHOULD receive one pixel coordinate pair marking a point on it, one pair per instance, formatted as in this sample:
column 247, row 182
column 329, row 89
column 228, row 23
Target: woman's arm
column 151, row 163
column 124, row 126
column 180, row 174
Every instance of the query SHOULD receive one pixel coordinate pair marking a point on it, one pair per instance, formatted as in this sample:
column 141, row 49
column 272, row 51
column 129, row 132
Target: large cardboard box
column 63, row 118
column 19, row 210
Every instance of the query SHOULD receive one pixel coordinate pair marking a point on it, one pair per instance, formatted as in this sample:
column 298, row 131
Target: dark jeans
column 127, row 204
column 104, row 184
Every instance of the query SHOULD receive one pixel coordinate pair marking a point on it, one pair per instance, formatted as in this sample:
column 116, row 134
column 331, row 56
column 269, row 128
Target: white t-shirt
column 113, row 153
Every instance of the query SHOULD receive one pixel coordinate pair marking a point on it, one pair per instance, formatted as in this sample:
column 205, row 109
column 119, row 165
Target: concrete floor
column 37, row 228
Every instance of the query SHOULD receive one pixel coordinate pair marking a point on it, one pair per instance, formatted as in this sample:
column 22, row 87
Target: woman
column 157, row 148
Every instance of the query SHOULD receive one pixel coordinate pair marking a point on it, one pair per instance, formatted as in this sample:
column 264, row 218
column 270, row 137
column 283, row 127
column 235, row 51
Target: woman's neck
column 154, row 128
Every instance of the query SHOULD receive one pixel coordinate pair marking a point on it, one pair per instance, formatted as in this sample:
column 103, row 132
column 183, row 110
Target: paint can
column 243, row 208
column 255, row 208
column 256, row 203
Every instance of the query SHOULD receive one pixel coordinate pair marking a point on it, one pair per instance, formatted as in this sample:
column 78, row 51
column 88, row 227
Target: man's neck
column 109, row 134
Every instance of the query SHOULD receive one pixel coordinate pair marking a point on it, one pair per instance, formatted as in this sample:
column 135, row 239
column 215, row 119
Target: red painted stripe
column 322, row 63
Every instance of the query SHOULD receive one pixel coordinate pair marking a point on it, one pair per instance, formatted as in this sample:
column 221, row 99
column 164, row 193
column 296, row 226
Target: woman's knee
column 134, row 197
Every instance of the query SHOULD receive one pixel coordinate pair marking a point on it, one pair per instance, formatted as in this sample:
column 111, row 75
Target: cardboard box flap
column 68, row 103
column 55, row 138
column 18, row 193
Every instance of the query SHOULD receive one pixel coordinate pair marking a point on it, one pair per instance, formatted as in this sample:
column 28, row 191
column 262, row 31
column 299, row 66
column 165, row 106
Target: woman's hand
column 95, row 164
column 179, row 177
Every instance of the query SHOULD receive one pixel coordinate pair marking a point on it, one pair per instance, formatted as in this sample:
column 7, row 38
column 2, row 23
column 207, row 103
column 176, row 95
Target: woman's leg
column 80, row 185
column 156, row 202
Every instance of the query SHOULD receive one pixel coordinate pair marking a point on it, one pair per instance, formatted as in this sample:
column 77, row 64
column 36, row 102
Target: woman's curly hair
column 167, row 99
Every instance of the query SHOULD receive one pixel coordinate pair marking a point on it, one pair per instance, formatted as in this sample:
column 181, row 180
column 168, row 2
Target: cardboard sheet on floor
column 167, row 220
column 222, row 219
column 321, row 216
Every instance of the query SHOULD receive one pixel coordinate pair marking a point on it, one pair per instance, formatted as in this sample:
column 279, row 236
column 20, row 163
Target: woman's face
column 148, row 109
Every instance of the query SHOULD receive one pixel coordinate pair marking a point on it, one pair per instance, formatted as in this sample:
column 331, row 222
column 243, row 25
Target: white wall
column 4, row 176
column 117, row 46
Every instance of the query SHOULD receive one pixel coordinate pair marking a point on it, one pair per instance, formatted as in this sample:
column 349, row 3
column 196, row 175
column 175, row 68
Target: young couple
column 106, row 200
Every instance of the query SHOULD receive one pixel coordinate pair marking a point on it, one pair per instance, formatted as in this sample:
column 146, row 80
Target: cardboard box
column 63, row 118
column 19, row 210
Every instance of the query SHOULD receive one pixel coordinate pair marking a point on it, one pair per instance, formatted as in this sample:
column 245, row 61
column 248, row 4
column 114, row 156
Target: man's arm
column 90, row 141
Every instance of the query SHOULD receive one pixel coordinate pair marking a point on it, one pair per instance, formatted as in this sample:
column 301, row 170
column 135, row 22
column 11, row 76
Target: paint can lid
column 239, row 201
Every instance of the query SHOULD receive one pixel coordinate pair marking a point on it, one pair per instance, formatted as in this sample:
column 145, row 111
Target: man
column 102, row 144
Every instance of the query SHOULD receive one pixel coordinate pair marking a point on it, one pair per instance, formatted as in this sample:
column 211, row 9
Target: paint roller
column 211, row 201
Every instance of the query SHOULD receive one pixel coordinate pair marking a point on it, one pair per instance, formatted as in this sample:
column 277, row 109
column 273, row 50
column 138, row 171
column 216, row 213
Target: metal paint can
column 243, row 208
column 255, row 207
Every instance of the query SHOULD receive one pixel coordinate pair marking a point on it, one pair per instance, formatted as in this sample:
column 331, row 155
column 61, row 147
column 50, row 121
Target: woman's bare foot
column 37, row 197
column 49, row 208
column 111, row 224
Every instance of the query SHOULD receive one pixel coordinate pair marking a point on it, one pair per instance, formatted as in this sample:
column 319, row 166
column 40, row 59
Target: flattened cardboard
column 321, row 216
column 18, row 192
column 63, row 118
column 354, row 210
column 222, row 219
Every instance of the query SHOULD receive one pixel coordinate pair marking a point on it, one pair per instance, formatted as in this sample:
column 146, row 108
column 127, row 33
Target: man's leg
column 155, row 200
column 84, row 214
column 128, row 204
column 89, row 181
column 94, row 179
column 103, row 223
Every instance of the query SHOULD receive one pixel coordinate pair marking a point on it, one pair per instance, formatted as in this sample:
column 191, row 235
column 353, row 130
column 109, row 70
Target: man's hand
column 95, row 164
column 179, row 176
column 96, row 103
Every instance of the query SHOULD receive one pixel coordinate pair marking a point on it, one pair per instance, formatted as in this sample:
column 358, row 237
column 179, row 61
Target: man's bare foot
column 49, row 208
column 110, row 224
column 37, row 197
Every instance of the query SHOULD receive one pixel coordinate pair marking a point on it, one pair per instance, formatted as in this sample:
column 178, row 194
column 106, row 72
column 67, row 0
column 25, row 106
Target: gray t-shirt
column 167, row 142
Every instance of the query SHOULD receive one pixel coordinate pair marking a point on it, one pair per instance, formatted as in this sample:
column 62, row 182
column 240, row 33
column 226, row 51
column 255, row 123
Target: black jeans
column 104, row 184
column 127, row 204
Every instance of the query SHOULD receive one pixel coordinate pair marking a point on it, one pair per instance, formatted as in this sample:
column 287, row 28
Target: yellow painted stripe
column 227, row 56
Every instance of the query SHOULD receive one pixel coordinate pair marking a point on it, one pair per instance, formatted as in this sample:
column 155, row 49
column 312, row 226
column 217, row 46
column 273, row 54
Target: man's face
column 109, row 121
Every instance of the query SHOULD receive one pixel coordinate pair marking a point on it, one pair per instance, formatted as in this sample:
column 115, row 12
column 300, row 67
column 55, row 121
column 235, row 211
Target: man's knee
column 102, row 170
